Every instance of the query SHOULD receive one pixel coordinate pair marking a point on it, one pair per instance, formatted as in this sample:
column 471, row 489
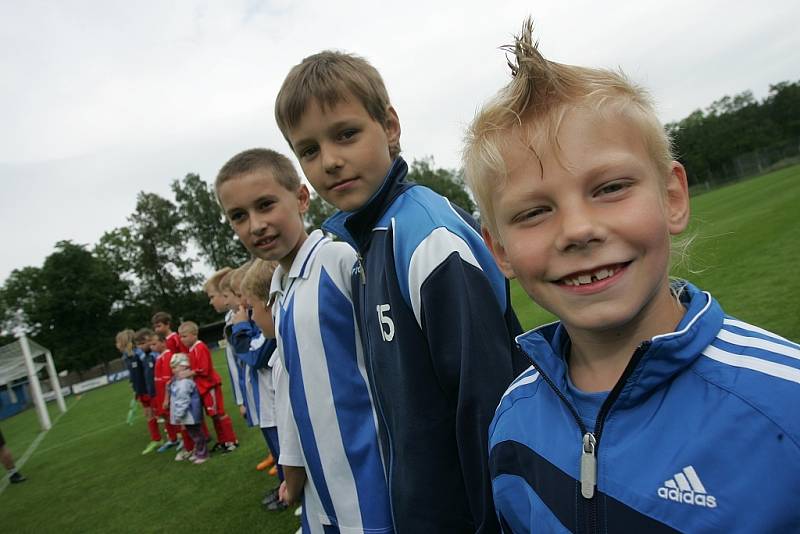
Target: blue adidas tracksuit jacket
column 435, row 317
column 135, row 368
column 700, row 434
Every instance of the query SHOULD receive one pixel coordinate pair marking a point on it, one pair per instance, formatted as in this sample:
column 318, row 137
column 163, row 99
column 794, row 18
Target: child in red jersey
column 163, row 374
column 162, row 324
column 209, row 385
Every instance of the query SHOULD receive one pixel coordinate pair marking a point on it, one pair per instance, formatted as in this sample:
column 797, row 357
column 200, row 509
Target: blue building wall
column 9, row 408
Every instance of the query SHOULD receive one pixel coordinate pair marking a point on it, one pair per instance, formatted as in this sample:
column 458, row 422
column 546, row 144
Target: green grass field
column 87, row 474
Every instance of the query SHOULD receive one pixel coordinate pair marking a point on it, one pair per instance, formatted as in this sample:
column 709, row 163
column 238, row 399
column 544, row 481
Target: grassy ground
column 746, row 252
column 87, row 474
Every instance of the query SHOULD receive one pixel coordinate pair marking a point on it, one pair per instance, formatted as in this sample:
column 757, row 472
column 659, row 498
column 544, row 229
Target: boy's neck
column 286, row 261
column 597, row 359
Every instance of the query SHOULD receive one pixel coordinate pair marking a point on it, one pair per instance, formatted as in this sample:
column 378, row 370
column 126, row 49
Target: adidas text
column 688, row 497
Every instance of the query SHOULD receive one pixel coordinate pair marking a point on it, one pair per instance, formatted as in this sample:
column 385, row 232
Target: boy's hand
column 165, row 404
column 282, row 493
column 240, row 316
column 243, row 411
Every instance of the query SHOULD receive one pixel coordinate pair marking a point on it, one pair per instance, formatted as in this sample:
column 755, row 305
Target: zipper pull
column 588, row 466
column 361, row 269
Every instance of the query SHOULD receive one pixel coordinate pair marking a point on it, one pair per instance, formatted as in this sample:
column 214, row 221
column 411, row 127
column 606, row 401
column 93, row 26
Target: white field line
column 32, row 447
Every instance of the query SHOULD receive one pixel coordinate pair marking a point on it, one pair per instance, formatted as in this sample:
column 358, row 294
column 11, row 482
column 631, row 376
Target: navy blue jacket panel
column 437, row 326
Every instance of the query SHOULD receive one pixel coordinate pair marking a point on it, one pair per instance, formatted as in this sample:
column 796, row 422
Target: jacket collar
column 666, row 356
column 355, row 227
column 301, row 266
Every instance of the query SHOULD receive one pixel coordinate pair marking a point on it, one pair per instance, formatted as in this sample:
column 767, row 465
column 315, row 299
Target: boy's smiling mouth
column 265, row 241
column 592, row 278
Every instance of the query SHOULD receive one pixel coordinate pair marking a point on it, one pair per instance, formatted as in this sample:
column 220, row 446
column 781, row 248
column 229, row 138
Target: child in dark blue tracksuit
column 432, row 307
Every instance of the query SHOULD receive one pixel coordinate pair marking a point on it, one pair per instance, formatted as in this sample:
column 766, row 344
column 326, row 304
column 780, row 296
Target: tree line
column 708, row 141
column 82, row 295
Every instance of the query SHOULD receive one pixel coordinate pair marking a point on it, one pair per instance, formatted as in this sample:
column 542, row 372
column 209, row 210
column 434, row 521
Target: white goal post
column 18, row 359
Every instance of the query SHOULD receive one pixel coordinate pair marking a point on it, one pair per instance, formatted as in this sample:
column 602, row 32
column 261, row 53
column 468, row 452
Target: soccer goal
column 25, row 357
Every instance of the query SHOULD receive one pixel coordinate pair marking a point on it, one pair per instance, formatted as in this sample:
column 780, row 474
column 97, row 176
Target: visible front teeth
column 584, row 279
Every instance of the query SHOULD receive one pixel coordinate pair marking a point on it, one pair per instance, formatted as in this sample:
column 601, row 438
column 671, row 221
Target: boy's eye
column 307, row 152
column 531, row 215
column 236, row 216
column 612, row 187
column 348, row 134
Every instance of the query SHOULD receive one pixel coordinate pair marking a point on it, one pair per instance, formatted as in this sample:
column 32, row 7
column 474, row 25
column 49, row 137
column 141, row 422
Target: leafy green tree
column 446, row 182
column 205, row 223
column 318, row 211
column 158, row 242
column 68, row 304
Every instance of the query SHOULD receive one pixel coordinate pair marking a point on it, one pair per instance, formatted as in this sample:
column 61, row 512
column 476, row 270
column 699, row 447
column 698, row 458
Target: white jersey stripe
column 754, row 364
column 758, row 343
column 753, row 328
column 428, row 255
column 694, row 480
column 521, row 382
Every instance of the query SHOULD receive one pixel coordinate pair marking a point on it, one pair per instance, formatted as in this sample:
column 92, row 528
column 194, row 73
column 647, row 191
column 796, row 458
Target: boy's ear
column 303, row 198
column 392, row 126
column 677, row 199
column 499, row 253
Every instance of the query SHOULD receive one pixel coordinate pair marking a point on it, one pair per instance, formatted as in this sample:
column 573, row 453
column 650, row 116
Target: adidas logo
column 686, row 487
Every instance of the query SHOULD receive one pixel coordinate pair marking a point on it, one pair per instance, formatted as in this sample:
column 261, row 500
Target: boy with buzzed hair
column 209, row 385
column 618, row 425
column 328, row 430
column 430, row 301
column 162, row 324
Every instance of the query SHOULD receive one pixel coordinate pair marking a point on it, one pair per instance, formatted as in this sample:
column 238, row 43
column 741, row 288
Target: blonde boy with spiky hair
column 212, row 289
column 624, row 420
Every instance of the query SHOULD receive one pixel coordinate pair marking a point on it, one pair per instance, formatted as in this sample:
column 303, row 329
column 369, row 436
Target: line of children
column 329, row 445
column 646, row 408
column 253, row 336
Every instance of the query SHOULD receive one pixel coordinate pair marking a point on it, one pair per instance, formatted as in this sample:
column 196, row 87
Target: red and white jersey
column 205, row 376
column 175, row 344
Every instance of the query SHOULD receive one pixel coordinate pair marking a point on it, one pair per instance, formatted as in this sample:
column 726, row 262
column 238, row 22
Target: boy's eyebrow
column 338, row 125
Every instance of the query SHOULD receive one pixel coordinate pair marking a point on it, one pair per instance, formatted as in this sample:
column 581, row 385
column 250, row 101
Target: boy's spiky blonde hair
column 212, row 284
column 533, row 106
column 328, row 77
column 258, row 278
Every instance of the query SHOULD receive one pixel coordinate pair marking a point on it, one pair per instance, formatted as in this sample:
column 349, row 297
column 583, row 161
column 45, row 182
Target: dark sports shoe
column 270, row 497
column 16, row 478
column 217, row 447
column 276, row 506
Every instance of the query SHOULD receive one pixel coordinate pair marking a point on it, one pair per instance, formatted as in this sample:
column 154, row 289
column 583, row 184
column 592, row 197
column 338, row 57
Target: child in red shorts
column 209, row 385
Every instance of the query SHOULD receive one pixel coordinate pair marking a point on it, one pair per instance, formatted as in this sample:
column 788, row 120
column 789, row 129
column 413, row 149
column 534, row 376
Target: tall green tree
column 161, row 261
column 447, row 182
column 318, row 211
column 205, row 223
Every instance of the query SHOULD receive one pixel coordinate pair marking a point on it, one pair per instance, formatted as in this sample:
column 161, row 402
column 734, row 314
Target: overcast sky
column 102, row 99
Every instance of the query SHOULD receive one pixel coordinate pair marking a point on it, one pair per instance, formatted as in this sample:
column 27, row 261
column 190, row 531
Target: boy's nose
column 578, row 229
column 331, row 161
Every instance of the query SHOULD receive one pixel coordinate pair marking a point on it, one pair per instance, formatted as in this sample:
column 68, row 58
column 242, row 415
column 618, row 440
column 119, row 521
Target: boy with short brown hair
column 431, row 303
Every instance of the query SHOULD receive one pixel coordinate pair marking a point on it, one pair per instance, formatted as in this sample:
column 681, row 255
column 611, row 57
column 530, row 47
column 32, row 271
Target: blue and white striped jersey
column 234, row 368
column 701, row 434
column 253, row 352
column 333, row 414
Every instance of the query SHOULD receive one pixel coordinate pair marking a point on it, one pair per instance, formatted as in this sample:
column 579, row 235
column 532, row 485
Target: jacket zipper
column 590, row 441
